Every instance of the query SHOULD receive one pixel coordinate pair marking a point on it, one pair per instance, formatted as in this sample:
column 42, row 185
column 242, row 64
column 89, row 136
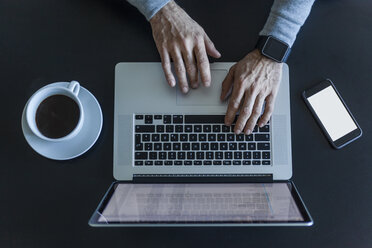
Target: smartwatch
column 273, row 48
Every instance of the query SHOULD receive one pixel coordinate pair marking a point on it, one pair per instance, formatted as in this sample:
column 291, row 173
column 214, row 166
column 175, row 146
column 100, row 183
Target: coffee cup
column 55, row 113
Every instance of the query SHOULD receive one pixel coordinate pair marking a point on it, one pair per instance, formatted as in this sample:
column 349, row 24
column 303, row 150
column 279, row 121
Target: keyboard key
column 228, row 155
column 214, row 146
column 146, row 137
column 239, row 137
column 226, row 162
column 207, row 128
column 145, row 128
column 216, row 128
column 246, row 162
column 149, row 162
column 148, row 146
column 242, row 146
column 163, row 155
column 193, row 137
column 237, row 162
column 176, row 146
column 230, row 137
column 190, row 155
column 255, row 129
column 171, row 155
column 233, row 146
column 209, row 155
column 168, row 162
column 174, row 137
column 185, row 146
column 202, row 137
column 160, row 128
column 197, row 128
column 237, row 155
column 251, row 146
column 169, row 128
column 139, row 147
column 225, row 129
column 195, row 146
column 158, row 146
column 200, row 155
column 197, row 162
column 264, row 129
column 158, row 162
column 247, row 155
column 138, row 138
column 256, row 155
column 148, row 119
column 155, row 137
column 187, row 162
column 205, row 146
column 153, row 155
column 177, row 162
column 204, row 119
column 158, row 117
column 177, row 118
column 261, row 137
column 223, row 146
column 207, row 162
column 266, row 155
column 221, row 137
column 212, row 137
column 183, row 137
column 139, row 117
column 181, row 155
column 256, row 162
column 249, row 137
column 263, row 146
column 167, row 119
column 217, row 162
column 218, row 155
column 265, row 162
column 188, row 128
column 179, row 128
column 167, row 146
column 165, row 137
column 139, row 163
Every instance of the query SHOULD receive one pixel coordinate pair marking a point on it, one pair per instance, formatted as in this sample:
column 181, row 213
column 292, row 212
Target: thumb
column 210, row 48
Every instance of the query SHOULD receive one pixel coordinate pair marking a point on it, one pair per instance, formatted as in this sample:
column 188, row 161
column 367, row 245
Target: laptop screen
column 128, row 203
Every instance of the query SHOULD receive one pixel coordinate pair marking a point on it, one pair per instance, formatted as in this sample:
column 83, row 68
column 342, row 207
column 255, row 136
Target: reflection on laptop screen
column 201, row 203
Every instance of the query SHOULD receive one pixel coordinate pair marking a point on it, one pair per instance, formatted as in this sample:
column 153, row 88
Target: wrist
column 168, row 9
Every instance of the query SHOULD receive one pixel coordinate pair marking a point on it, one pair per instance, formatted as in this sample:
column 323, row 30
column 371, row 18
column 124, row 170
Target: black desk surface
column 44, row 203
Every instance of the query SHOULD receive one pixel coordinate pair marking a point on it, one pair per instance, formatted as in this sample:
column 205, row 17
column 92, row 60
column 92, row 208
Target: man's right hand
column 180, row 38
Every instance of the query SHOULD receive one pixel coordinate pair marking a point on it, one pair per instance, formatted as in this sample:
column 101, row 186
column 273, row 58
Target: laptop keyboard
column 197, row 140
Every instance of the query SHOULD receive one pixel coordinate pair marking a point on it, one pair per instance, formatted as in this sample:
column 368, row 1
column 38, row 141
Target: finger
column 180, row 70
column 269, row 108
column 234, row 102
column 203, row 64
column 211, row 49
column 165, row 63
column 245, row 111
column 256, row 112
column 191, row 68
column 227, row 84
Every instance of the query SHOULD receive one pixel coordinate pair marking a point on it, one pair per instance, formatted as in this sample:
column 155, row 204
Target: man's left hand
column 255, row 79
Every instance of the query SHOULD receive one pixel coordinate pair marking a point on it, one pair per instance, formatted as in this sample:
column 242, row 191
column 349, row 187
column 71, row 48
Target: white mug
column 71, row 91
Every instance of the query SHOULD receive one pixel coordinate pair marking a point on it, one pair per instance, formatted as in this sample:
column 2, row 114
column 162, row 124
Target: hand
column 180, row 38
column 257, row 78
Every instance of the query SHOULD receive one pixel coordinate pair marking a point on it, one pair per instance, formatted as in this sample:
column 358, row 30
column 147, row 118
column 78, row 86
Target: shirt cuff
column 149, row 7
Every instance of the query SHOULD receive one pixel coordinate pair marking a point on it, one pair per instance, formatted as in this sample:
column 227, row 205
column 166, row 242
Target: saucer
column 77, row 145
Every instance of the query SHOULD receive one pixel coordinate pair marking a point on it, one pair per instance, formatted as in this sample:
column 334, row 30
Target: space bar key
column 204, row 119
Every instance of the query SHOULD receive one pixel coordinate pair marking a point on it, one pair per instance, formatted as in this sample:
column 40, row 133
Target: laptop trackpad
column 203, row 96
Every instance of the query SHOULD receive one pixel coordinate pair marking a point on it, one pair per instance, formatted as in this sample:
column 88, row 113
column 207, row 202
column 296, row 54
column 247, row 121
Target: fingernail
column 185, row 89
column 248, row 132
column 238, row 131
column 172, row 83
column 207, row 84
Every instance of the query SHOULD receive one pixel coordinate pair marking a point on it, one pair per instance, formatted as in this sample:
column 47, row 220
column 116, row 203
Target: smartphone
column 332, row 114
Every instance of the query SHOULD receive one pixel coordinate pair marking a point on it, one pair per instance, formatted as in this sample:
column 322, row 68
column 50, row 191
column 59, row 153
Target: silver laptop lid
column 140, row 88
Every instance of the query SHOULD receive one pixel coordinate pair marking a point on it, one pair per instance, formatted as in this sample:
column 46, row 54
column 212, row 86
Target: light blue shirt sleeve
column 148, row 7
column 286, row 18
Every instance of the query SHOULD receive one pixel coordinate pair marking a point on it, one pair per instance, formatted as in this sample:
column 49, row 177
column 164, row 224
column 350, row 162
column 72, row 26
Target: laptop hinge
column 202, row 178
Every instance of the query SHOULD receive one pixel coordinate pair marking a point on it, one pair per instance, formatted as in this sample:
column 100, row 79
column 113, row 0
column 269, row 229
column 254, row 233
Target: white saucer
column 77, row 145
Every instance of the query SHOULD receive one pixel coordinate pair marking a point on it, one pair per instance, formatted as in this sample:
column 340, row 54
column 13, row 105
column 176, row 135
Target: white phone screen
column 332, row 113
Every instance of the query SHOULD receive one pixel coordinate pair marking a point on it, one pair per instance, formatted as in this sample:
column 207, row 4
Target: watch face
column 275, row 49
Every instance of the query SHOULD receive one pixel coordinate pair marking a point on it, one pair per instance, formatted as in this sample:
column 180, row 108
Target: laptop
column 177, row 164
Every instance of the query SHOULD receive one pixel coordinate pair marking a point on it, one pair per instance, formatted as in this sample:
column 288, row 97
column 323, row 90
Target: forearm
column 148, row 7
column 286, row 18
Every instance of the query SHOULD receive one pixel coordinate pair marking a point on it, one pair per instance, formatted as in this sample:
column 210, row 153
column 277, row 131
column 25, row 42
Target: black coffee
column 57, row 116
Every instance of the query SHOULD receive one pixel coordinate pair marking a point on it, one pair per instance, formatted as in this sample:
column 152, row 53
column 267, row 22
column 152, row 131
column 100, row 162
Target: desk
column 47, row 203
